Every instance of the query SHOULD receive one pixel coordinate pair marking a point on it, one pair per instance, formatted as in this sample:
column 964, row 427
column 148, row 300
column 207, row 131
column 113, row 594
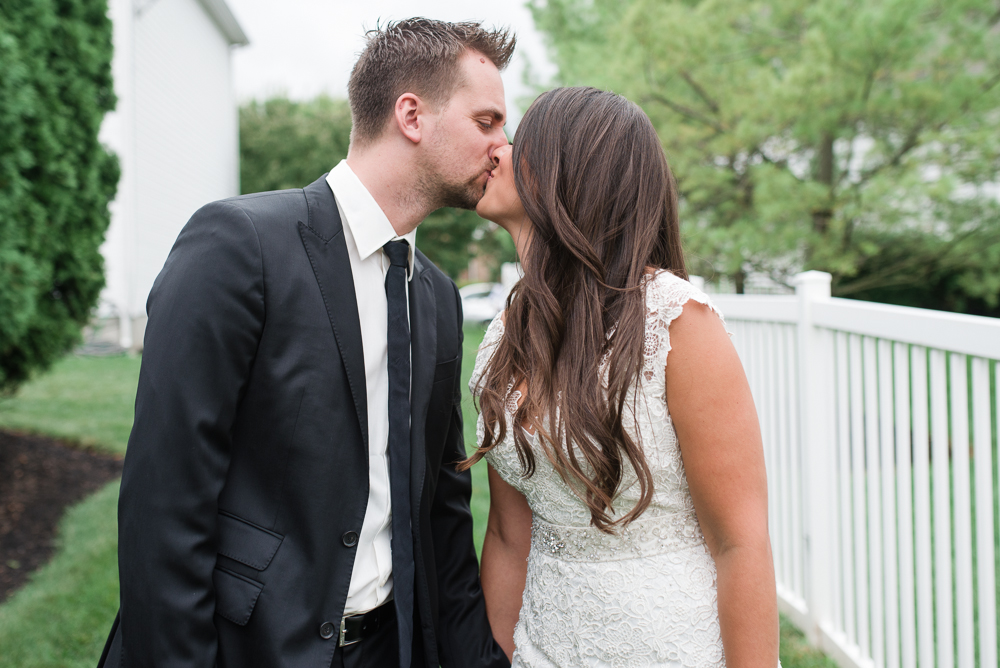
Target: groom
column 289, row 495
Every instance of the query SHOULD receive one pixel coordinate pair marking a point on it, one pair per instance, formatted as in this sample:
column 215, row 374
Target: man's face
column 463, row 135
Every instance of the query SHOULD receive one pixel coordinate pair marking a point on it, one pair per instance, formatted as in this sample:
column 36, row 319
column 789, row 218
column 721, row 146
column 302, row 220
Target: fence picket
column 986, row 588
column 875, row 572
column 904, row 502
column 922, row 508
column 796, row 446
column 843, row 451
column 887, row 451
column 778, row 444
column 965, row 637
column 773, row 467
column 859, row 493
column 941, row 481
column 965, row 631
column 996, row 413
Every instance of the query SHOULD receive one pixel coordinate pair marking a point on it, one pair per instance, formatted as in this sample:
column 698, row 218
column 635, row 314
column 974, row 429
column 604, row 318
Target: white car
column 482, row 301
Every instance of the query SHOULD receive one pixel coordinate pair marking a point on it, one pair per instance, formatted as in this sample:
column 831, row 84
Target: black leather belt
column 357, row 627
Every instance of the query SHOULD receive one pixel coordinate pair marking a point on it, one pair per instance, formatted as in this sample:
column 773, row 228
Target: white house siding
column 176, row 133
column 186, row 130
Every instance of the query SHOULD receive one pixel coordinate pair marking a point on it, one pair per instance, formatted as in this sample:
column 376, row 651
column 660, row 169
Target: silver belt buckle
column 343, row 634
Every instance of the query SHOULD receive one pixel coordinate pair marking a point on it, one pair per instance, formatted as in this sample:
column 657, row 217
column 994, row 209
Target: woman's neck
column 520, row 232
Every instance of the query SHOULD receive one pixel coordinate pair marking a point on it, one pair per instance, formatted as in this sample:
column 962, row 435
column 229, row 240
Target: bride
column 628, row 511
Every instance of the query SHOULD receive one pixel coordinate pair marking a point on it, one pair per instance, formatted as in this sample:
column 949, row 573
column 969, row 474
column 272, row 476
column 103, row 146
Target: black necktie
column 398, row 340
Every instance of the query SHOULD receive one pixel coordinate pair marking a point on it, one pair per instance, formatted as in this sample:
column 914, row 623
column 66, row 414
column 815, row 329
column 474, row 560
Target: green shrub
column 55, row 177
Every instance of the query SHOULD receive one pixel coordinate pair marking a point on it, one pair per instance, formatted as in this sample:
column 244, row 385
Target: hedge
column 55, row 177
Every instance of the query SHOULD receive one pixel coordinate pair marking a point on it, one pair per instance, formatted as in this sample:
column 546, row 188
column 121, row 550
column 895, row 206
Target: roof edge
column 223, row 17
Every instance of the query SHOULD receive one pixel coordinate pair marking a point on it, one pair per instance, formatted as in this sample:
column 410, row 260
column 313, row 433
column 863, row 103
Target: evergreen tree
column 55, row 177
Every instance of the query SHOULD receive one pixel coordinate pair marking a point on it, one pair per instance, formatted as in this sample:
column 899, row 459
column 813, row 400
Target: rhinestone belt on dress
column 645, row 537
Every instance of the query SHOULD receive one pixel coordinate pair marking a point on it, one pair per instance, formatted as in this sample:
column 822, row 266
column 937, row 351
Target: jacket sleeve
column 465, row 639
column 205, row 317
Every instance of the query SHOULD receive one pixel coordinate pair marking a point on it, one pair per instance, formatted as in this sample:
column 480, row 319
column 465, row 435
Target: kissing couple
column 296, row 489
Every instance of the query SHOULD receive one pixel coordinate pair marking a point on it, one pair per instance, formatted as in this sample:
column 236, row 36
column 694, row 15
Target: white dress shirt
column 366, row 229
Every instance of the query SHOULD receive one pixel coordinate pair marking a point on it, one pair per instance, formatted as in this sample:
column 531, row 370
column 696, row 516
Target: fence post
column 815, row 447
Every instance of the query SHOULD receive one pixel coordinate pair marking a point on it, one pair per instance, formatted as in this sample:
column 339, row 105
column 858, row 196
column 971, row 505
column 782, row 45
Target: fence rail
column 880, row 432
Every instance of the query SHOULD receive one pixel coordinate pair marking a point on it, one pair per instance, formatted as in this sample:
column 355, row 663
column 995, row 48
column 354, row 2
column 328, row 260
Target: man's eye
column 486, row 126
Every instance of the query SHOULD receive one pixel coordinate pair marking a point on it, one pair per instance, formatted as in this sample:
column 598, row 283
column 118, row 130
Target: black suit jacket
column 247, row 467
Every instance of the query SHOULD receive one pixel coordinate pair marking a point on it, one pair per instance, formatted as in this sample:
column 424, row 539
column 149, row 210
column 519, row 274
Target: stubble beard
column 459, row 194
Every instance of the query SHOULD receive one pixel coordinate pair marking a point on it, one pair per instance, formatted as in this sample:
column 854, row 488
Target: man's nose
column 496, row 152
column 499, row 141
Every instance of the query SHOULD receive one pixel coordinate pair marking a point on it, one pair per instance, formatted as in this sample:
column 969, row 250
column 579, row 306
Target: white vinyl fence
column 880, row 435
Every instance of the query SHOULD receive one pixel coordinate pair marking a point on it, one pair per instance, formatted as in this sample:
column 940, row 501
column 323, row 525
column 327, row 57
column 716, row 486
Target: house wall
column 176, row 132
column 117, row 132
column 186, row 130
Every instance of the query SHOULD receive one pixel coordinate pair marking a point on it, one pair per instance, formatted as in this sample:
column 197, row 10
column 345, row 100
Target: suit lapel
column 423, row 347
column 323, row 238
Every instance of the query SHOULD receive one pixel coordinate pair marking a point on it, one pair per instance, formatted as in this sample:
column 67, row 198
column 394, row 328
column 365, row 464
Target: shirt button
column 327, row 630
column 350, row 539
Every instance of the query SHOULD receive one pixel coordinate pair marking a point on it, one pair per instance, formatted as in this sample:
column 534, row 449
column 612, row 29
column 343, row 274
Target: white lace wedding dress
column 644, row 597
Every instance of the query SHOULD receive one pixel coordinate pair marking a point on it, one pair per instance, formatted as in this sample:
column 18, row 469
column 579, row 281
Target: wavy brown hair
column 595, row 183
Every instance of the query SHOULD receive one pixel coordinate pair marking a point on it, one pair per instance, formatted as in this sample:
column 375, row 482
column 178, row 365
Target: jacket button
column 350, row 539
column 327, row 630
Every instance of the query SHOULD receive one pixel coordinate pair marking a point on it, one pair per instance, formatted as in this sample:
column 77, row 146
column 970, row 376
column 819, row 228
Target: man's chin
column 465, row 198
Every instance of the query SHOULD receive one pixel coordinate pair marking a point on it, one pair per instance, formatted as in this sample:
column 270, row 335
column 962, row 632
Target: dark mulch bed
column 39, row 478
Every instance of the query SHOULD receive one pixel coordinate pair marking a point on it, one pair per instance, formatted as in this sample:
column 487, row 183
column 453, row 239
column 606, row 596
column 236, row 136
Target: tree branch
column 880, row 279
column 780, row 164
column 687, row 112
column 911, row 142
column 702, row 93
column 991, row 83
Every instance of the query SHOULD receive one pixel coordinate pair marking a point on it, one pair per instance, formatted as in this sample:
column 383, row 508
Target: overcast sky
column 306, row 47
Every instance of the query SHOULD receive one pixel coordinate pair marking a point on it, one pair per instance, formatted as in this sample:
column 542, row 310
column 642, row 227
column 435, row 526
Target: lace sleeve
column 490, row 340
column 666, row 295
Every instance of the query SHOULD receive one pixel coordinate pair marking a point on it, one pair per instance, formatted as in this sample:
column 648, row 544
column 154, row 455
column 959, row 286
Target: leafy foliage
column 289, row 144
column 859, row 138
column 55, row 177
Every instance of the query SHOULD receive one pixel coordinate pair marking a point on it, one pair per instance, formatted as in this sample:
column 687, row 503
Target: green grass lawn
column 86, row 400
column 60, row 619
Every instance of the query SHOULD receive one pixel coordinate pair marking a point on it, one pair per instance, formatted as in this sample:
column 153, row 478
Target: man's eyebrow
column 491, row 111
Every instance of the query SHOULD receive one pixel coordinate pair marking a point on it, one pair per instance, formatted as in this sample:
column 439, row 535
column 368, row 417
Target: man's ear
column 408, row 111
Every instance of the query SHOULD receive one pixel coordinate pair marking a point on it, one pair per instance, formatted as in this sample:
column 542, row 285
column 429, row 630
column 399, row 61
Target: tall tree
column 859, row 137
column 289, row 144
column 55, row 177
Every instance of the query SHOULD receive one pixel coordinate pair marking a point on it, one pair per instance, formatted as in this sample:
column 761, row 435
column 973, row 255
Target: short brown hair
column 419, row 56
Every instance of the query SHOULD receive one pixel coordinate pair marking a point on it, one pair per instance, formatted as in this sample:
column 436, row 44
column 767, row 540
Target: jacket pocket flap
column 445, row 370
column 247, row 543
column 235, row 595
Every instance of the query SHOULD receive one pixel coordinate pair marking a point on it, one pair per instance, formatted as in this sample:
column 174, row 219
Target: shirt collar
column 369, row 225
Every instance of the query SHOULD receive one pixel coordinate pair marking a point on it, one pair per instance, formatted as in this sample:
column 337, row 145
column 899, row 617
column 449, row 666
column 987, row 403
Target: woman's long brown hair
column 594, row 181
